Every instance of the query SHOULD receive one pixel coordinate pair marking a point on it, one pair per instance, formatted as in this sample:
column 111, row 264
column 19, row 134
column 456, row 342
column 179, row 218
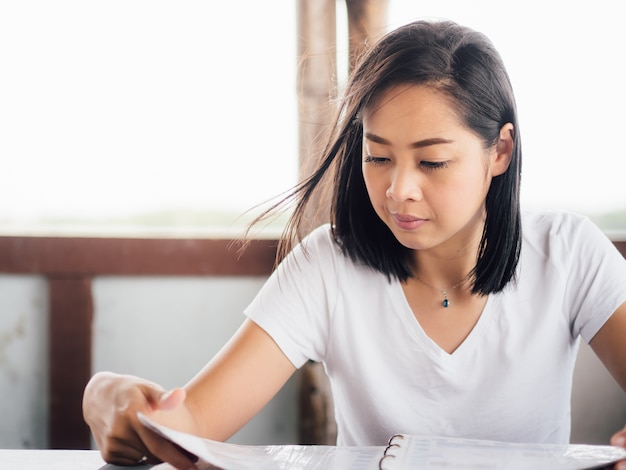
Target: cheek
column 466, row 191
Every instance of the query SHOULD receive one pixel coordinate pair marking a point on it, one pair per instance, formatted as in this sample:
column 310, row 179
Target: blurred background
column 160, row 115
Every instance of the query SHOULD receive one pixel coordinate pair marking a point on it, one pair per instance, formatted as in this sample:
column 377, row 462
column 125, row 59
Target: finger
column 171, row 400
column 130, row 442
column 124, row 444
column 163, row 450
column 125, row 455
column 121, row 452
column 190, row 457
column 123, row 461
column 619, row 439
column 152, row 393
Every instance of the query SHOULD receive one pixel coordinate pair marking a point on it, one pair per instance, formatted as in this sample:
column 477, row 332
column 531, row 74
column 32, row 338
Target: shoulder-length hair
column 463, row 64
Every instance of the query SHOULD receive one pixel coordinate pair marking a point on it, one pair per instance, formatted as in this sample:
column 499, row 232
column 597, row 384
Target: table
column 30, row 459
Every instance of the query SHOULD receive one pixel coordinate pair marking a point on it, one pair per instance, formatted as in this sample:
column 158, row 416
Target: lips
column 407, row 221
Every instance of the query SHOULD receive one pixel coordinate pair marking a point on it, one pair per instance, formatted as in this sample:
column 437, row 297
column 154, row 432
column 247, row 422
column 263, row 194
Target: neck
column 444, row 272
column 449, row 263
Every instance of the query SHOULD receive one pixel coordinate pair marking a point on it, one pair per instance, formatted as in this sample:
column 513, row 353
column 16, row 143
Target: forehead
column 412, row 104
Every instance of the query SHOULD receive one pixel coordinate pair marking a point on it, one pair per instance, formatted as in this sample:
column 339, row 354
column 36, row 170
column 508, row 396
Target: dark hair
column 464, row 65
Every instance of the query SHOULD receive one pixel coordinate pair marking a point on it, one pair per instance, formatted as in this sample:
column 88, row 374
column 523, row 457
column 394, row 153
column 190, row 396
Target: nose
column 404, row 186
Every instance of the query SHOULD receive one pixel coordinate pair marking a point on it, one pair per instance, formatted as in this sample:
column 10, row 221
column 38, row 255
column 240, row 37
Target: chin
column 412, row 241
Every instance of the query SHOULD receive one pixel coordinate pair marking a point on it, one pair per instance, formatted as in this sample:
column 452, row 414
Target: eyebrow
column 419, row 144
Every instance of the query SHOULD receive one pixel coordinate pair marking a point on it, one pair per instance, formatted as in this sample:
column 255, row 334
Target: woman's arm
column 248, row 371
column 228, row 392
column 609, row 344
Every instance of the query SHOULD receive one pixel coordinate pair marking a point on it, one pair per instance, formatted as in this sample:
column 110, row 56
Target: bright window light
column 165, row 113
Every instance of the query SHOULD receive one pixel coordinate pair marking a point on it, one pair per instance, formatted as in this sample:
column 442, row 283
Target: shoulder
column 320, row 237
column 318, row 250
column 318, row 244
column 568, row 240
column 544, row 230
column 321, row 251
column 544, row 223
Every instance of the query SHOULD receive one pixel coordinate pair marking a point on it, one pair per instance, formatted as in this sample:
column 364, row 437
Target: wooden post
column 317, row 91
column 316, row 88
column 317, row 414
column 71, row 313
column 367, row 21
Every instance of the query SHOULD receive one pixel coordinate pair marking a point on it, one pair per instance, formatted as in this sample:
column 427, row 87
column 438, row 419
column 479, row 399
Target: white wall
column 166, row 328
column 163, row 329
column 23, row 361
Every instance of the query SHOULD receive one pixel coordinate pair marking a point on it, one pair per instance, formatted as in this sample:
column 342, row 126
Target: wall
column 23, row 361
column 163, row 329
column 166, row 328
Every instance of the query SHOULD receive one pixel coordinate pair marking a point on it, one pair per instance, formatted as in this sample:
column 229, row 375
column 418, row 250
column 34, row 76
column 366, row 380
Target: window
column 152, row 114
column 144, row 113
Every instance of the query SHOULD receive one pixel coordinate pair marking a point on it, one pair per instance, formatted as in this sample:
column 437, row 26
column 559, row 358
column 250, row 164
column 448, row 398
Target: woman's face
column 427, row 175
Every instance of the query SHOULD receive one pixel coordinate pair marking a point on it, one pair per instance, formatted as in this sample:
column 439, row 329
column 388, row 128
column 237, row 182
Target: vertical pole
column 316, row 87
column 317, row 90
column 367, row 21
column 71, row 313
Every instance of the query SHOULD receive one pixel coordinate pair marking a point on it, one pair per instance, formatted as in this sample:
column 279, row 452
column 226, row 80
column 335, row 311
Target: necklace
column 445, row 302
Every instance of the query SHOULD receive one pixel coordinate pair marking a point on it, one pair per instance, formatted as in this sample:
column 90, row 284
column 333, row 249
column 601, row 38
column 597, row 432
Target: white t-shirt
column 509, row 380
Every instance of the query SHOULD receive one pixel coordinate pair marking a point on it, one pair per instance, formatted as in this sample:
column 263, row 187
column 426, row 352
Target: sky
column 122, row 107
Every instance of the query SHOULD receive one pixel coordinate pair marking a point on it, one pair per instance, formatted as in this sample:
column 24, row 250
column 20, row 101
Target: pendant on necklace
column 445, row 302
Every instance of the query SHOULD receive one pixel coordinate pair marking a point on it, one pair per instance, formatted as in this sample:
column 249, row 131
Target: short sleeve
column 596, row 283
column 296, row 303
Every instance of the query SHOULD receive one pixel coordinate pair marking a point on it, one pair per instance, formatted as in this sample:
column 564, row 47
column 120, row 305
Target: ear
column 503, row 151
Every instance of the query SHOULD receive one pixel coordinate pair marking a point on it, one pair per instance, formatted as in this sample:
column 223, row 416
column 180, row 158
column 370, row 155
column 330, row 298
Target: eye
column 375, row 160
column 431, row 166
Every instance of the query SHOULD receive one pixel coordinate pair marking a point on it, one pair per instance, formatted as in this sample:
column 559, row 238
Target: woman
column 436, row 306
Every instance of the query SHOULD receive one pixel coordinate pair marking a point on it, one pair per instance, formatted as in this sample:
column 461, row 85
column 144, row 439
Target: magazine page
column 221, row 455
column 407, row 451
column 403, row 451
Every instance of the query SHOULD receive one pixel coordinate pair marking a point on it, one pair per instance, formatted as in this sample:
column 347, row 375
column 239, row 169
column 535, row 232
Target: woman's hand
column 619, row 439
column 215, row 404
column 110, row 406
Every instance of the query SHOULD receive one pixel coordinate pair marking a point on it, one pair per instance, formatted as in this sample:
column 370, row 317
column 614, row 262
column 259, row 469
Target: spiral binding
column 390, row 444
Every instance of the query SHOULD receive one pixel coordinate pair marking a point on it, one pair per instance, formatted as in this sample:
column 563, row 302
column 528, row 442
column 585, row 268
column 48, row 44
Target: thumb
column 171, row 399
column 619, row 438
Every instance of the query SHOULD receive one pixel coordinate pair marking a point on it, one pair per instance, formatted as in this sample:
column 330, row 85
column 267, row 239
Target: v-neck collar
column 414, row 328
